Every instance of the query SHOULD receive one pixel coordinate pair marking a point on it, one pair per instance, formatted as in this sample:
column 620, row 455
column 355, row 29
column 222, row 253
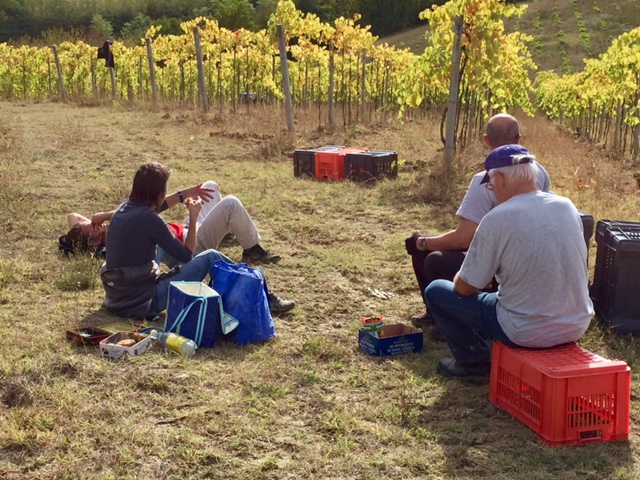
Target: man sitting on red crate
column 532, row 242
column 440, row 256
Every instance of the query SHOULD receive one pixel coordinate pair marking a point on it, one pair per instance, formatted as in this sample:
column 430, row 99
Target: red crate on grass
column 329, row 165
column 566, row 394
column 304, row 160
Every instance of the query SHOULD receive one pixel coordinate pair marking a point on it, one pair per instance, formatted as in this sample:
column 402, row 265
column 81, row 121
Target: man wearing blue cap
column 532, row 242
column 440, row 256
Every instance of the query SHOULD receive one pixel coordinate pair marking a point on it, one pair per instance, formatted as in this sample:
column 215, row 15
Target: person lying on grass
column 533, row 243
column 136, row 230
column 218, row 217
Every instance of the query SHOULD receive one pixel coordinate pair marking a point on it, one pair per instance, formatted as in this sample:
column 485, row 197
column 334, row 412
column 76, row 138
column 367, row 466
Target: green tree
column 234, row 14
column 264, row 9
column 134, row 30
column 101, row 27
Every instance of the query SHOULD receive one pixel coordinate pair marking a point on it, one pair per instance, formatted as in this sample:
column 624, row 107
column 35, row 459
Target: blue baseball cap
column 506, row 156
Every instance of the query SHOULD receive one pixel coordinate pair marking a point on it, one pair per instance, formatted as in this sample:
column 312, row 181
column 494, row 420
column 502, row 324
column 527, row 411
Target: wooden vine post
column 61, row 90
column 202, row 86
column 452, row 105
column 152, row 71
column 114, row 90
column 331, row 83
column 363, row 85
column 286, row 86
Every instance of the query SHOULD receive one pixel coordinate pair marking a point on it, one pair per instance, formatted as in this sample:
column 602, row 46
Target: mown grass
column 308, row 404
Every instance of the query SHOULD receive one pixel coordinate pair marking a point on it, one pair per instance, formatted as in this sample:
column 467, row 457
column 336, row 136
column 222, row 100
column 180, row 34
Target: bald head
column 502, row 129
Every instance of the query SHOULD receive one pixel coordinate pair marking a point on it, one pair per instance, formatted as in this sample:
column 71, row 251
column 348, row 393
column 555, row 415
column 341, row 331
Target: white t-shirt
column 534, row 246
column 479, row 200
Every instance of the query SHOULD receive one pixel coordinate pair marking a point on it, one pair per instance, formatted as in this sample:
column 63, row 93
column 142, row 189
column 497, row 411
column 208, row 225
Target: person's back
column 534, row 244
column 134, row 232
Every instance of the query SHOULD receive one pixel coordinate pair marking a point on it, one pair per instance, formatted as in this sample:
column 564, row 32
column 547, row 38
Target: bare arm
column 75, row 218
column 194, row 207
column 458, row 239
column 194, row 192
column 98, row 219
column 462, row 287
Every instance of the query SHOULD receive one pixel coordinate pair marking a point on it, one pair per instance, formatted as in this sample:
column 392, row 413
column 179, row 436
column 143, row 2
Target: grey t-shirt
column 134, row 232
column 534, row 246
column 479, row 200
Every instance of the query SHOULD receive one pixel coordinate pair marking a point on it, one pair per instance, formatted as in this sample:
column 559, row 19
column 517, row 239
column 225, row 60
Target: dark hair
column 149, row 184
column 79, row 241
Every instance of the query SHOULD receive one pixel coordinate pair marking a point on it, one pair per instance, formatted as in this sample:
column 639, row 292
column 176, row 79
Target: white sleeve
column 483, row 257
column 478, row 201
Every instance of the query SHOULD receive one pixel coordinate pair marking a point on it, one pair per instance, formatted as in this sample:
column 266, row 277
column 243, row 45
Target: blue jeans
column 461, row 319
column 194, row 271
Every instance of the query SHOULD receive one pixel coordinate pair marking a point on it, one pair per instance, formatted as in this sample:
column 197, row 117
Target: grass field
column 308, row 404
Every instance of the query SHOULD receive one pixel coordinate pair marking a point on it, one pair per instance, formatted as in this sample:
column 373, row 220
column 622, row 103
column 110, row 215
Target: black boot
column 278, row 305
column 257, row 255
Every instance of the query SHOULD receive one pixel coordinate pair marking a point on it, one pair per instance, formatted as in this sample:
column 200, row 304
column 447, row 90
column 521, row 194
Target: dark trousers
column 429, row 266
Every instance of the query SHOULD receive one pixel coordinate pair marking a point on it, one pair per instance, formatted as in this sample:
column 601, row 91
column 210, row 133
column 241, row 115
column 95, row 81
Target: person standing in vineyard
column 440, row 256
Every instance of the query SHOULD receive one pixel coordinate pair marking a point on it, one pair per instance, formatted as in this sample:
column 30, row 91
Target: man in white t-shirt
column 440, row 256
column 532, row 242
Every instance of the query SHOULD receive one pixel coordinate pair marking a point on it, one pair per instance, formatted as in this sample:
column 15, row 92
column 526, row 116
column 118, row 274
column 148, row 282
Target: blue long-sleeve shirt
column 134, row 233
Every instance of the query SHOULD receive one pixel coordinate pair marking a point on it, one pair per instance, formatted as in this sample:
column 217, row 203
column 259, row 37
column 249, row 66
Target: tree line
column 33, row 21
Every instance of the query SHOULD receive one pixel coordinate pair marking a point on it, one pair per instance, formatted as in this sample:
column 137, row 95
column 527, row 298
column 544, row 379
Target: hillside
column 565, row 32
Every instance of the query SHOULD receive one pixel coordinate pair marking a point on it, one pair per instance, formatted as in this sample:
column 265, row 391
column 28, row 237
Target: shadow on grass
column 480, row 440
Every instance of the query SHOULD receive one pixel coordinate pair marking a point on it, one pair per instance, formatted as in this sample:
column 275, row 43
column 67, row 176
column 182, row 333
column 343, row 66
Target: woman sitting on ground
column 218, row 218
column 136, row 230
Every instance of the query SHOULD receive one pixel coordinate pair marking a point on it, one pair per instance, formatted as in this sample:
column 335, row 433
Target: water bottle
column 177, row 343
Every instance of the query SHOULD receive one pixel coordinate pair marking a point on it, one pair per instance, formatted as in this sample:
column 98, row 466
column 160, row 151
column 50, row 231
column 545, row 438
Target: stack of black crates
column 616, row 282
column 360, row 165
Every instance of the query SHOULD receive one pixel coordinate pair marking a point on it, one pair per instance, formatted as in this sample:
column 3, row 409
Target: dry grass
column 307, row 405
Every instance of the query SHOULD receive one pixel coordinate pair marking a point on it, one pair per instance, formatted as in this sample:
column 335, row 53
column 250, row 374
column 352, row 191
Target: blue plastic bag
column 245, row 296
column 194, row 310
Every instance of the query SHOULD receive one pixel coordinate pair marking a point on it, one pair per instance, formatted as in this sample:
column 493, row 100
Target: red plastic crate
column 304, row 160
column 330, row 165
column 566, row 394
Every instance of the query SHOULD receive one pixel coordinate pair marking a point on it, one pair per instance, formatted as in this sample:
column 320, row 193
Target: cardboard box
column 110, row 349
column 394, row 339
column 94, row 335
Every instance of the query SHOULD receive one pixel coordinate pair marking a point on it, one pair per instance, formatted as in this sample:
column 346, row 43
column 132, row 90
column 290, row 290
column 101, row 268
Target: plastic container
column 372, row 165
column 329, row 164
column 176, row 343
column 566, row 394
column 616, row 279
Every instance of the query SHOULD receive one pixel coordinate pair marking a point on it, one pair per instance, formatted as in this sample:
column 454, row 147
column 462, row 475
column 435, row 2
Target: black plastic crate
column 372, row 165
column 616, row 281
column 304, row 163
column 304, row 160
